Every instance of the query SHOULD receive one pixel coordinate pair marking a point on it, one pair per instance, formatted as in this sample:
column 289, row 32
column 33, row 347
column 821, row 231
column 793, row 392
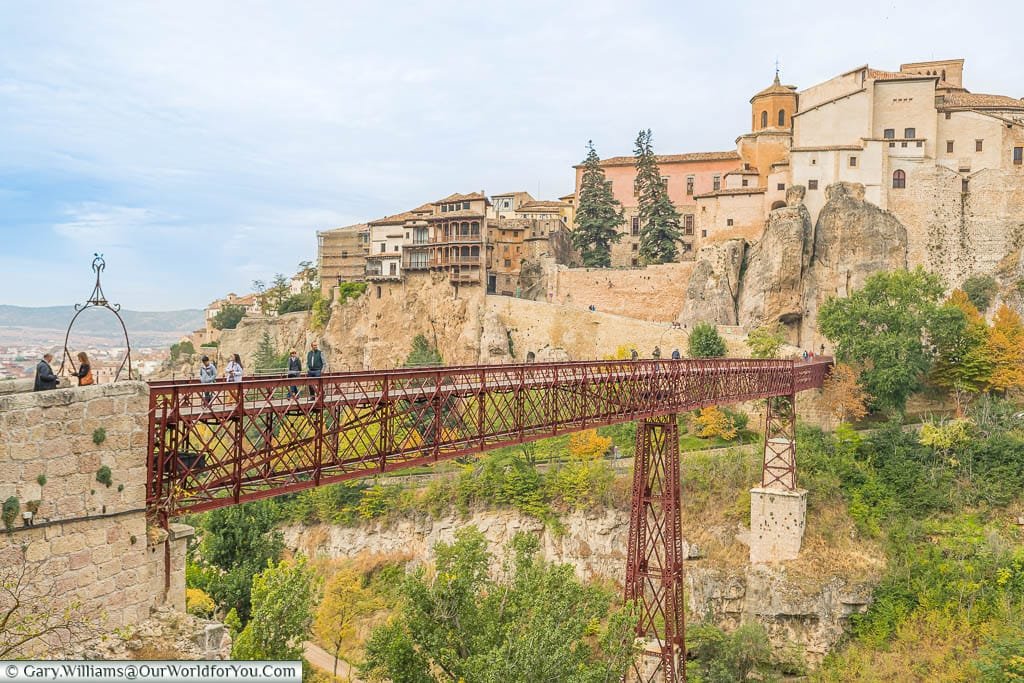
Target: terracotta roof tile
column 673, row 158
column 460, row 197
column 980, row 101
column 879, row 75
column 542, row 204
column 776, row 88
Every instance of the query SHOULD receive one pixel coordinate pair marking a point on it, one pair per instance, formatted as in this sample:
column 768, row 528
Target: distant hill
column 100, row 323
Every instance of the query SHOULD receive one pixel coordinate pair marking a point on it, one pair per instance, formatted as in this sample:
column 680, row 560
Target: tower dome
column 773, row 107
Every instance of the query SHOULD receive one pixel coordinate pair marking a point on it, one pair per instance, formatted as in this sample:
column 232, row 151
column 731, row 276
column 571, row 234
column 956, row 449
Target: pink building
column 687, row 175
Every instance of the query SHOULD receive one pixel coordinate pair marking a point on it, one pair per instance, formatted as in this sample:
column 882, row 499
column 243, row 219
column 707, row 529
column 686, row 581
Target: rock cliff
column 773, row 281
column 712, row 290
column 811, row 615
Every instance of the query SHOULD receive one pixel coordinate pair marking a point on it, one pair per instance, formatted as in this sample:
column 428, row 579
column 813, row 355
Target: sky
column 200, row 145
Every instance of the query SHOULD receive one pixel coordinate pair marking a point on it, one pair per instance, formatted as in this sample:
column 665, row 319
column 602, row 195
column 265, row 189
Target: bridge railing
column 212, row 445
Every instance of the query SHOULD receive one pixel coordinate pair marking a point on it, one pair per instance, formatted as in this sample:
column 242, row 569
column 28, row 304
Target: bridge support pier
column 778, row 509
column 654, row 569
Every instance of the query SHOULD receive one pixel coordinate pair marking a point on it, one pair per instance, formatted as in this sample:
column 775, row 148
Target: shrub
column 198, row 603
column 980, row 289
column 104, row 476
column 705, row 342
column 99, row 435
column 11, row 508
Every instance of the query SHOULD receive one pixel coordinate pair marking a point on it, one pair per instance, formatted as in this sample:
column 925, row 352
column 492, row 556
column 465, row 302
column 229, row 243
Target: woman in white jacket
column 233, row 370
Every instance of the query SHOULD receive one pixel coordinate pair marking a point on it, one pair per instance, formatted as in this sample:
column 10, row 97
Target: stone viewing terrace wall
column 90, row 537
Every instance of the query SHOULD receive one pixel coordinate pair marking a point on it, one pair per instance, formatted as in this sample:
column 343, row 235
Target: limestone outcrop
column 853, row 239
column 714, row 285
column 288, row 331
column 773, row 281
column 594, row 543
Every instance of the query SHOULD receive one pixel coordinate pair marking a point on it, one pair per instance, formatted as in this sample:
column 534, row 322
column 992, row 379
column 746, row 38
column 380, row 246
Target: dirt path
column 321, row 659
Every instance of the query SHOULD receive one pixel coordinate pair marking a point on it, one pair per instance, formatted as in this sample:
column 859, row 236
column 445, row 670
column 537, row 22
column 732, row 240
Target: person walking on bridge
column 314, row 366
column 233, row 370
column 294, row 370
column 207, row 375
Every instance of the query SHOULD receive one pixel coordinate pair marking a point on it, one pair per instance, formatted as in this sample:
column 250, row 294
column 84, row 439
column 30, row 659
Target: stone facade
column 89, row 538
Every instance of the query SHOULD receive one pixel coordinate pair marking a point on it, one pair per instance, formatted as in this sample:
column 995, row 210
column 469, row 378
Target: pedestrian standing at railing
column 294, row 370
column 207, row 375
column 314, row 365
column 233, row 370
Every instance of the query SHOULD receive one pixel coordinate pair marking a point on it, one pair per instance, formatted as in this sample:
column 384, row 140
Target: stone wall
column 89, row 538
column 651, row 293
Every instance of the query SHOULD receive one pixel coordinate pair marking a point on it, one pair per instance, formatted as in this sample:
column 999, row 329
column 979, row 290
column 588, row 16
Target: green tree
column 267, row 357
column 237, row 543
column 422, row 353
column 765, row 341
column 959, row 335
column 183, row 348
column 719, row 657
column 882, row 330
column 228, row 317
column 345, row 600
column 705, row 342
column 659, row 220
column 283, row 597
column 980, row 289
column 535, row 622
column 598, row 216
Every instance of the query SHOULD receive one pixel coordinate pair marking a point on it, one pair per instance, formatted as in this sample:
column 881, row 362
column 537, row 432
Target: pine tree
column 598, row 216
column 1005, row 348
column 659, row 220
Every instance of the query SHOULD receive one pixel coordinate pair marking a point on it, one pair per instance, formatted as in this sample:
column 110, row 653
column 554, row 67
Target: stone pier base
column 777, row 521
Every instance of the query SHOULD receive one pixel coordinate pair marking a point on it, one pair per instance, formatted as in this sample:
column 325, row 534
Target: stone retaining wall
column 90, row 536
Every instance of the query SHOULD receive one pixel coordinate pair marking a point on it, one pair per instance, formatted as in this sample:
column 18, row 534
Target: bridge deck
column 213, row 445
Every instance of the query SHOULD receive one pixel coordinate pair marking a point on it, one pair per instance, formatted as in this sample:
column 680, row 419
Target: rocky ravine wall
column 594, row 543
column 90, row 540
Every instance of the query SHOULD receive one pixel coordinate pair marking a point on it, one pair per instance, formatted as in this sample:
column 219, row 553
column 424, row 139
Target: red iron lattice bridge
column 214, row 445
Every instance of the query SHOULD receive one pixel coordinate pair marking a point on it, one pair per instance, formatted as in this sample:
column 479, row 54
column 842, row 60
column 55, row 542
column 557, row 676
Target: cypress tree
column 598, row 215
column 659, row 220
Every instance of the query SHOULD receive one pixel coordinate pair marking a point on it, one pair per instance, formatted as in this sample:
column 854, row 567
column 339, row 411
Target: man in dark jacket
column 314, row 365
column 294, row 370
column 45, row 379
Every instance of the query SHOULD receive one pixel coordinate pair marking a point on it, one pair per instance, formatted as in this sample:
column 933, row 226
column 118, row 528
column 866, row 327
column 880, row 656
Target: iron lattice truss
column 214, row 445
column 654, row 565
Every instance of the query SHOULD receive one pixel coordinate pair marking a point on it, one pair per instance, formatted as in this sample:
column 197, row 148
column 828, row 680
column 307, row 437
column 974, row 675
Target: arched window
column 474, row 252
column 782, row 117
column 475, row 227
column 899, row 179
column 764, row 119
column 465, row 228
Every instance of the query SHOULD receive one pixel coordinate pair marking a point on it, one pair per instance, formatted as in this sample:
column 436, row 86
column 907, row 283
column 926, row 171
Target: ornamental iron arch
column 98, row 300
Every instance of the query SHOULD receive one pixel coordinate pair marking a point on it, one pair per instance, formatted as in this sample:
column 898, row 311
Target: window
column 744, row 182
column 814, row 162
column 782, row 117
column 635, row 262
column 465, row 205
column 764, row 119
column 964, row 185
column 636, row 247
column 716, row 183
column 889, row 133
column 728, row 222
column 853, row 162
column 892, row 144
column 382, row 247
column 508, row 263
column 910, row 133
column 703, row 233
column 903, row 144
column 780, row 186
column 689, row 185
column 899, row 179
column 378, row 291
column 948, row 116
column 393, row 269
column 979, row 145
column 812, row 184
column 395, row 248
column 688, row 224
column 635, row 228
column 444, row 208
column 949, row 146
column 1018, row 156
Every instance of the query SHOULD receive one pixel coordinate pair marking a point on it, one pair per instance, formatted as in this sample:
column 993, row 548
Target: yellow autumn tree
column 712, row 422
column 843, row 396
column 588, row 445
column 1005, row 347
column 345, row 601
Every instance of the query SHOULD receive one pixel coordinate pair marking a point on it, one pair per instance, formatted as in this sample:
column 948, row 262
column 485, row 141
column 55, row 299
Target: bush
column 228, row 317
column 350, row 290
column 199, row 603
column 980, row 289
column 183, row 348
column 705, row 342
